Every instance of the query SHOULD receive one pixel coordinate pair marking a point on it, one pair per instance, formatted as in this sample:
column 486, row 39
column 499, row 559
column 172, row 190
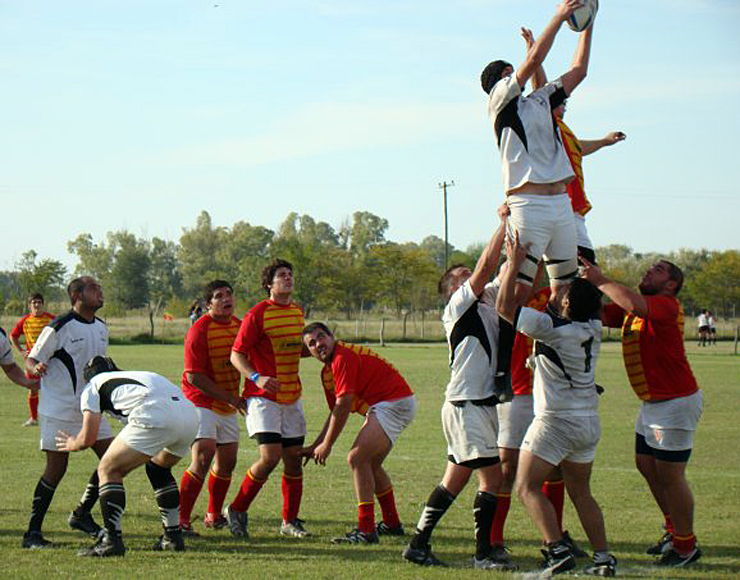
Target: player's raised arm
column 589, row 146
column 627, row 298
column 542, row 46
column 488, row 261
column 579, row 68
column 539, row 78
column 506, row 301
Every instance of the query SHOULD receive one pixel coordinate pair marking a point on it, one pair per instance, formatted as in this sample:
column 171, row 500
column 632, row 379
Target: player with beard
column 652, row 323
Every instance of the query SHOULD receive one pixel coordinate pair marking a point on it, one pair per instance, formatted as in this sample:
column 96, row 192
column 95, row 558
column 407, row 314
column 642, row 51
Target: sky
column 138, row 115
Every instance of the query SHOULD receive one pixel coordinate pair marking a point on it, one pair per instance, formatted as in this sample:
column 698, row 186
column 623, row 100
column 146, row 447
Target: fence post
column 422, row 325
column 382, row 331
column 737, row 332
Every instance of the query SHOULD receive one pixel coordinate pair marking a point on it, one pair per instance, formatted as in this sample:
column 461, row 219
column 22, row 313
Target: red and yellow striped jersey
column 30, row 327
column 207, row 351
column 364, row 373
column 270, row 335
column 521, row 376
column 653, row 349
column 575, row 188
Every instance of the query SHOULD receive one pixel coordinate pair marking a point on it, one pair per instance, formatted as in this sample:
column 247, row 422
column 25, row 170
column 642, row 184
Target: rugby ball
column 582, row 17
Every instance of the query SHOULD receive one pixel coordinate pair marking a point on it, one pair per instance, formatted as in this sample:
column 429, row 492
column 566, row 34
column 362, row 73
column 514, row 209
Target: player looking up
column 58, row 357
column 267, row 352
column 211, row 383
column 652, row 322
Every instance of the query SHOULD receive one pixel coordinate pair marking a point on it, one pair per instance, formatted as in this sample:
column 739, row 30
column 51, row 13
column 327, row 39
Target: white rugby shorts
column 394, row 416
column 514, row 419
column 582, row 237
column 670, row 425
column 266, row 416
column 172, row 431
column 546, row 222
column 471, row 431
column 221, row 428
column 49, row 427
column 557, row 439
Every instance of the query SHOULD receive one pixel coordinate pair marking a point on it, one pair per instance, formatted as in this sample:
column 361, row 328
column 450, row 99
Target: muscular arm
column 630, row 300
column 488, row 261
column 506, row 301
column 537, row 55
column 539, row 78
column 87, row 436
column 16, row 374
column 579, row 68
column 206, row 386
column 592, row 146
column 334, row 426
column 242, row 363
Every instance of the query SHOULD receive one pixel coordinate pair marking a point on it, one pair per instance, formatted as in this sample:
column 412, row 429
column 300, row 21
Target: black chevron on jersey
column 509, row 117
column 106, row 390
column 540, row 348
column 469, row 324
column 66, row 359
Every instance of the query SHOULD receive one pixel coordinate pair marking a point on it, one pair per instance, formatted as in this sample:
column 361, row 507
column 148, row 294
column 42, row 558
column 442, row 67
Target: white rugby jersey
column 471, row 326
column 132, row 394
column 565, row 362
column 528, row 138
column 6, row 351
column 65, row 345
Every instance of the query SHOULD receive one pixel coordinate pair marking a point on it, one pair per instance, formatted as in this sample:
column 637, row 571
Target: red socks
column 33, row 405
column 218, row 486
column 247, row 492
column 366, row 517
column 292, row 487
column 503, row 503
column 387, row 503
column 190, row 486
column 555, row 492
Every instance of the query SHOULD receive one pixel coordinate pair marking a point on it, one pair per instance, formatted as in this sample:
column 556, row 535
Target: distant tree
column 45, row 276
column 243, row 255
column 717, row 284
column 94, row 259
column 198, row 254
column 435, row 247
column 367, row 230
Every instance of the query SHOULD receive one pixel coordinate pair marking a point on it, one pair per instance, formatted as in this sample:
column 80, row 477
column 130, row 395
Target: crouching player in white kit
column 469, row 413
column 565, row 430
column 160, row 427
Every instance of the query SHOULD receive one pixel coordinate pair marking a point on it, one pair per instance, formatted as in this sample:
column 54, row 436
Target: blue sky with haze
column 139, row 114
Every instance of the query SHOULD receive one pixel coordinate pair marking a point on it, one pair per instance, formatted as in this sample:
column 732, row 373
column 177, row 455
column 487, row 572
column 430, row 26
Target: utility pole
column 444, row 186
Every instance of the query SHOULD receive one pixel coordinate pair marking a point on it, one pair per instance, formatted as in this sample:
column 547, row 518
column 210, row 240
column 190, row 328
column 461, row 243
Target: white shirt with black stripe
column 565, row 362
column 138, row 396
column 528, row 138
column 66, row 345
column 6, row 351
column 471, row 326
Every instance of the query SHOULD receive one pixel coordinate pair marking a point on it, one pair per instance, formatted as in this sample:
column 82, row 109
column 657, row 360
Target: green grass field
column 416, row 465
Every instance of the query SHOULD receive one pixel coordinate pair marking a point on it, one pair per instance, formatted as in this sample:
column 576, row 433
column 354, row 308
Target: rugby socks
column 484, row 508
column 218, row 485
column 292, row 488
column 167, row 496
column 438, row 503
column 190, row 486
column 112, row 504
column 387, row 502
column 684, row 544
column 506, row 337
column 669, row 524
column 247, row 492
column 42, row 496
column 33, row 405
column 366, row 517
column 555, row 492
column 503, row 503
column 89, row 496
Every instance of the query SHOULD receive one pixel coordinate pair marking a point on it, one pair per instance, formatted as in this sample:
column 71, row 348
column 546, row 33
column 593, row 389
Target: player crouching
column 356, row 379
column 160, row 426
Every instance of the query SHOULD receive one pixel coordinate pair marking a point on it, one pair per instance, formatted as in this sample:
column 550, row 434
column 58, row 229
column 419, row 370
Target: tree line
column 350, row 270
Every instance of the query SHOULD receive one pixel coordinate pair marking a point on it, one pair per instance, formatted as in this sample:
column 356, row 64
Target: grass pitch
column 415, row 465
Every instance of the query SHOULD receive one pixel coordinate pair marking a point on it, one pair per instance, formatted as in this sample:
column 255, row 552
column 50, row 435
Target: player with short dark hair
column 29, row 327
column 267, row 352
column 356, row 379
column 211, row 383
column 468, row 414
column 160, row 425
column 652, row 323
column 565, row 430
column 58, row 357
